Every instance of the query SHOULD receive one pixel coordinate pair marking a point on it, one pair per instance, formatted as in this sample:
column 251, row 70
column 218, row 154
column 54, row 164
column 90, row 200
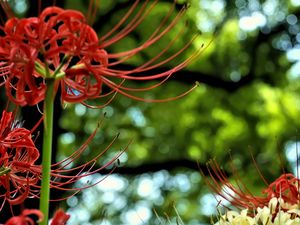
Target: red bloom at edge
column 59, row 218
column 286, row 187
column 20, row 176
column 17, row 157
column 24, row 218
column 59, row 44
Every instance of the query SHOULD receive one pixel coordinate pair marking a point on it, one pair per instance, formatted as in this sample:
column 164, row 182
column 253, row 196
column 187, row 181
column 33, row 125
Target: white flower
column 281, row 218
column 277, row 213
column 263, row 215
column 234, row 218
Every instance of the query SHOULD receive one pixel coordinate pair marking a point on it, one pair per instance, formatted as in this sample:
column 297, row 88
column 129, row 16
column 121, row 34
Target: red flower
column 24, row 218
column 19, row 175
column 286, row 187
column 17, row 157
column 60, row 218
column 60, row 45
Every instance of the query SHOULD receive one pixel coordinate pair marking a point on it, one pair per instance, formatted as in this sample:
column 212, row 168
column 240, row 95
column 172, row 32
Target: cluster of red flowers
column 31, row 46
column 20, row 175
column 60, row 46
column 18, row 171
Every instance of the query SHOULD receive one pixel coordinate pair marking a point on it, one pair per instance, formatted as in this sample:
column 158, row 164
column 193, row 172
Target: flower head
column 59, row 44
column 286, row 188
column 272, row 214
column 24, row 218
column 278, row 205
column 20, row 175
column 18, row 155
column 59, row 218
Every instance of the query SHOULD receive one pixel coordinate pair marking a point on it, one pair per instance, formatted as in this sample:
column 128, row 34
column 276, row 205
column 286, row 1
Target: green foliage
column 260, row 116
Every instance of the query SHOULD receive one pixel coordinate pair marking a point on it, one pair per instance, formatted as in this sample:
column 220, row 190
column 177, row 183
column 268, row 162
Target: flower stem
column 47, row 149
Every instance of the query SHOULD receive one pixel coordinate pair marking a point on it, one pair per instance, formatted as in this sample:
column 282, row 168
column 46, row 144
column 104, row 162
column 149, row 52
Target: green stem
column 47, row 150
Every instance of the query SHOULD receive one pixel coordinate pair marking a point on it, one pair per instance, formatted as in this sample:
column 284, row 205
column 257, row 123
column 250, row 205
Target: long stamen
column 121, row 22
column 153, row 38
column 139, row 17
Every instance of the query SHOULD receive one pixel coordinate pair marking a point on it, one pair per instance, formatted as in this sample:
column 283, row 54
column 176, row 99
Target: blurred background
column 247, row 103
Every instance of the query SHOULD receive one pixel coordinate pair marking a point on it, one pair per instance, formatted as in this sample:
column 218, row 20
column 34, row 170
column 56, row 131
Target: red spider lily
column 286, row 187
column 20, row 176
column 17, row 157
column 239, row 195
column 59, row 218
column 24, row 218
column 59, row 44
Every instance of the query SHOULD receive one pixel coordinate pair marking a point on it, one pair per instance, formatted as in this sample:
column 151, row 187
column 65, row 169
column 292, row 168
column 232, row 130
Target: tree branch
column 152, row 167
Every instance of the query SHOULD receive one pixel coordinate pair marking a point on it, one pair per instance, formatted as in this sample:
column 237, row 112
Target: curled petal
column 24, row 218
column 285, row 187
column 18, row 156
column 60, row 218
